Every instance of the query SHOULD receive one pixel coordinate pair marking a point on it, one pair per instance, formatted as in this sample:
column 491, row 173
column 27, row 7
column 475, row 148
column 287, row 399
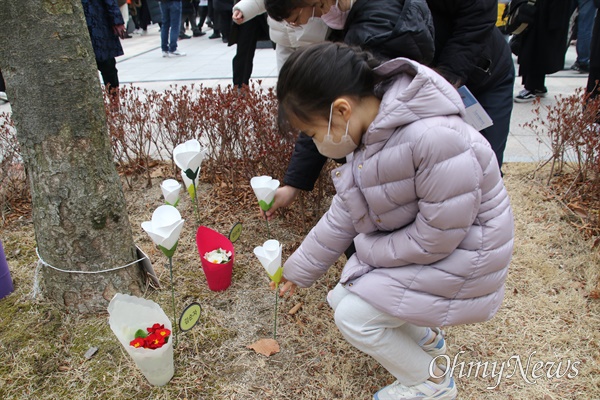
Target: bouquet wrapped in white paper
column 128, row 314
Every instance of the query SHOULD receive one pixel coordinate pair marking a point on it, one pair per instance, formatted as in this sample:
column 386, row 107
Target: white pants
column 392, row 342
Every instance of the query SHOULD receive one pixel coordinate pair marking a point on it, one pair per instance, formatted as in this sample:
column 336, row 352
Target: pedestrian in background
column 106, row 27
column 169, row 29
column 586, row 11
column 543, row 46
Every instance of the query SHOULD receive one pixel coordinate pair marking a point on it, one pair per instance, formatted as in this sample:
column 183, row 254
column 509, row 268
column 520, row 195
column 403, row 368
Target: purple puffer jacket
column 424, row 202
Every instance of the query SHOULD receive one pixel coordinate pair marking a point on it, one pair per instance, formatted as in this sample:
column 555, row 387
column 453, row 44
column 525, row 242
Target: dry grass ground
column 551, row 314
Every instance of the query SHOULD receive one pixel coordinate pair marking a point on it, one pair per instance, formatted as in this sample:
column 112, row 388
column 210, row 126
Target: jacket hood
column 410, row 92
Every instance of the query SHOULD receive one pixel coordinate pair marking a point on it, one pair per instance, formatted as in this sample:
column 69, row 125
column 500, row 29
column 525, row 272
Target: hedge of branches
column 238, row 126
column 571, row 126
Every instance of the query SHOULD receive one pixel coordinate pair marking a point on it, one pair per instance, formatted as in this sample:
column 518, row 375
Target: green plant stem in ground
column 196, row 203
column 275, row 315
column 173, row 299
column 268, row 231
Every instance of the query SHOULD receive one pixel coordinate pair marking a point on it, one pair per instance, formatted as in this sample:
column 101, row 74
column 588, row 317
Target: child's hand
column 284, row 196
column 285, row 286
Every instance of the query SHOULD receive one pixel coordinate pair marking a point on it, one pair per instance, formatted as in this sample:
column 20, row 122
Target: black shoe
column 579, row 67
column 225, row 40
column 215, row 35
column 184, row 36
column 199, row 33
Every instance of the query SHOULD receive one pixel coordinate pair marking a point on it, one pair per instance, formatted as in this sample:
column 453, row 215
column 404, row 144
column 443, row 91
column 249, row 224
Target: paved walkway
column 208, row 61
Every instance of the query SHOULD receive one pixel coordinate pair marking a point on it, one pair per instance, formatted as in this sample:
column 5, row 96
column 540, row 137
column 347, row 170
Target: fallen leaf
column 582, row 212
column 64, row 368
column 265, row 347
column 295, row 309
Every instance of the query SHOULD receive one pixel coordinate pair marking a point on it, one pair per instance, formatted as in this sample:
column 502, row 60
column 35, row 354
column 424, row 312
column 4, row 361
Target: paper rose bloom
column 264, row 188
column 170, row 190
column 164, row 229
column 189, row 156
column 269, row 255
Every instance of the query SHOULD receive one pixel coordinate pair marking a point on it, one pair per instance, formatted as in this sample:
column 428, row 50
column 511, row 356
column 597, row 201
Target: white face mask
column 336, row 150
column 314, row 31
column 336, row 18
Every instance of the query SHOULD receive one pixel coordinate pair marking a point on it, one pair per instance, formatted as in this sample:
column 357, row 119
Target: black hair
column 314, row 76
column 281, row 9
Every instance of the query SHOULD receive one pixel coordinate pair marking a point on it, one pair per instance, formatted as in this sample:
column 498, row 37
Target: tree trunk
column 79, row 211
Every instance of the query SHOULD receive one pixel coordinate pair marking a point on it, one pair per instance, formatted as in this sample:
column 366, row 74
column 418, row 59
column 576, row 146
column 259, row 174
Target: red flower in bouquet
column 138, row 342
column 156, row 337
column 155, row 327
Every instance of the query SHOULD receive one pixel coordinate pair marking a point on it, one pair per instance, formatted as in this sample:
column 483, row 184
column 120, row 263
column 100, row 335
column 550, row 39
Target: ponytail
column 314, row 76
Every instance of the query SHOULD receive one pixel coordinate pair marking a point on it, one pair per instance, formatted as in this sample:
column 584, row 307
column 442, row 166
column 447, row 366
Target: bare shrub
column 574, row 134
column 238, row 125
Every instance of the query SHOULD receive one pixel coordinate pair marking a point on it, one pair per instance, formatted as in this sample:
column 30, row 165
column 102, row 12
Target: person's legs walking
column 165, row 27
column 585, row 22
column 242, row 62
column 498, row 103
column 175, row 20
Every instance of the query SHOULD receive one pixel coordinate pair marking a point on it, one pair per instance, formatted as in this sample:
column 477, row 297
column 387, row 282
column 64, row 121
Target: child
column 420, row 196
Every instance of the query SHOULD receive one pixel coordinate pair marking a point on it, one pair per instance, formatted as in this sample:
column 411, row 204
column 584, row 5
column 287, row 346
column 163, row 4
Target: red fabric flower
column 165, row 333
column 155, row 341
column 155, row 327
column 138, row 342
column 158, row 335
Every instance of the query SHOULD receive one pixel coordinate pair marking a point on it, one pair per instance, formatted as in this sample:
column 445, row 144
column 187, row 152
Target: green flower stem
column 275, row 316
column 173, row 299
column 268, row 231
column 196, row 203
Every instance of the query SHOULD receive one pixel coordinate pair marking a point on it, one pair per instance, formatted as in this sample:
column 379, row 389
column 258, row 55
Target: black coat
column 468, row 46
column 391, row 29
column 101, row 16
column 544, row 42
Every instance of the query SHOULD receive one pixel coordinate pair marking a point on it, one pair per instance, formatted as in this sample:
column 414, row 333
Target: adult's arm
column 249, row 9
column 392, row 28
column 464, row 37
column 305, row 165
column 114, row 12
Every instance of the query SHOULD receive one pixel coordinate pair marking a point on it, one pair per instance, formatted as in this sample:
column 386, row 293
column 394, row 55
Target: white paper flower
column 170, row 190
column 218, row 256
column 269, row 255
column 189, row 156
column 165, row 228
column 264, row 188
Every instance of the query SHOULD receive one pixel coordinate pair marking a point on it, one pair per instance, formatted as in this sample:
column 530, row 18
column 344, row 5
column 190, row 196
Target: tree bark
column 79, row 211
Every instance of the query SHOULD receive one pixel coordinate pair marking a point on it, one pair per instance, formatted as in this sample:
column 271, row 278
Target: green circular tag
column 235, row 232
column 189, row 317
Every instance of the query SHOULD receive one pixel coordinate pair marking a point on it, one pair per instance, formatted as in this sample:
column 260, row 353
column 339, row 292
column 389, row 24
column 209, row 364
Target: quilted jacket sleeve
column 322, row 246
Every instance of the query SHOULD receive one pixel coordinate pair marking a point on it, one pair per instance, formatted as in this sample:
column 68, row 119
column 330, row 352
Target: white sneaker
column 3, row 97
column 438, row 346
column 165, row 54
column 446, row 390
column 177, row 53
